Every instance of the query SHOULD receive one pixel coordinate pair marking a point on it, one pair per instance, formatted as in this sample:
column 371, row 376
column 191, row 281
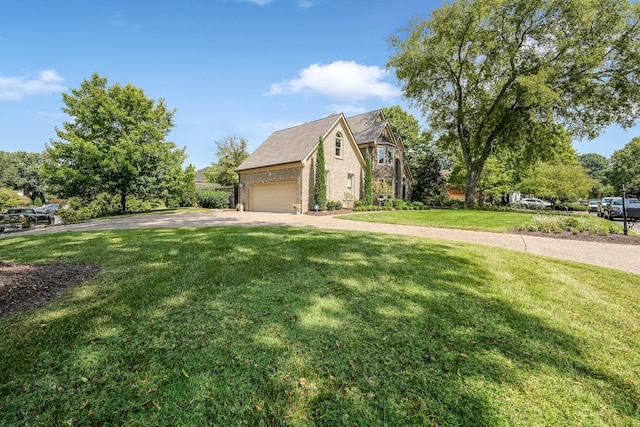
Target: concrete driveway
column 617, row 256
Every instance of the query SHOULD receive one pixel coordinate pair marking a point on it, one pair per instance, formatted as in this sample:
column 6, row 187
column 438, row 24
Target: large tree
column 231, row 152
column 558, row 182
column 114, row 144
column 489, row 74
column 625, row 166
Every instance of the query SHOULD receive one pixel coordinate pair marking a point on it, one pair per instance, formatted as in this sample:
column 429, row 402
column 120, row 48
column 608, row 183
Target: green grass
column 496, row 221
column 448, row 218
column 290, row 326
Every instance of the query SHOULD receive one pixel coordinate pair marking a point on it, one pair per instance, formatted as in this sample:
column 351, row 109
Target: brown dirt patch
column 26, row 286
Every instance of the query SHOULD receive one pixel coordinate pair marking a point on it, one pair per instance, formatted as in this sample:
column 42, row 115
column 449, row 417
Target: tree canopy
column 20, row 170
column 491, row 74
column 558, row 182
column 231, row 152
column 625, row 166
column 114, row 144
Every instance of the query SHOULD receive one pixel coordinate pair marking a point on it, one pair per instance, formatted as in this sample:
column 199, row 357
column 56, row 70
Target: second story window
column 385, row 155
column 339, row 145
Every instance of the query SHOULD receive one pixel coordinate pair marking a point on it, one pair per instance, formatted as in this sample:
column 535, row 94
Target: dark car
column 613, row 209
column 24, row 217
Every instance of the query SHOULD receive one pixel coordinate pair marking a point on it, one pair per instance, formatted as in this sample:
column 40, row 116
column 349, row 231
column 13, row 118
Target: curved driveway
column 617, row 256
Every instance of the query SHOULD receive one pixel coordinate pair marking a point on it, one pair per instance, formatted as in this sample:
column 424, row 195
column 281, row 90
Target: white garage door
column 276, row 197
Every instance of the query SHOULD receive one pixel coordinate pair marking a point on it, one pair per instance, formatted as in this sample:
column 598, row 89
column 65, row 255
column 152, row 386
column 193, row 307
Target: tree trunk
column 123, row 202
column 471, row 186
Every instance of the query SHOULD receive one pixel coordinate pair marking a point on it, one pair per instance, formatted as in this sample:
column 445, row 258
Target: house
column 279, row 175
column 373, row 133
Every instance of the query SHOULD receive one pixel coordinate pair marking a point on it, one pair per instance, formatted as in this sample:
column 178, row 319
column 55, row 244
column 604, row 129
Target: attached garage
column 273, row 197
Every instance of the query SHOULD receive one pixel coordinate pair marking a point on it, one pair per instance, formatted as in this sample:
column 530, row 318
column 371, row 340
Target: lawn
column 292, row 326
column 470, row 219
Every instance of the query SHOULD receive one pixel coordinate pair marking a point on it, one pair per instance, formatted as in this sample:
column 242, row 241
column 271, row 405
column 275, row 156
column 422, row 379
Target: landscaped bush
column 104, row 205
column 560, row 223
column 576, row 207
column 334, row 205
column 213, row 199
column 359, row 204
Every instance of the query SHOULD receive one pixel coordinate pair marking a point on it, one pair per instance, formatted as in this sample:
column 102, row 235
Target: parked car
column 602, row 204
column 534, row 203
column 613, row 209
column 24, row 218
column 51, row 208
column 593, row 205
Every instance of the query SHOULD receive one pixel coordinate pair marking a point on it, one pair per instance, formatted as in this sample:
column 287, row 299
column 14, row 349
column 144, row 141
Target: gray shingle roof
column 289, row 145
column 365, row 128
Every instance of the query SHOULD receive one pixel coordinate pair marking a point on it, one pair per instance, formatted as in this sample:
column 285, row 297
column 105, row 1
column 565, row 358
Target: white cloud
column 340, row 80
column 14, row 88
column 348, row 109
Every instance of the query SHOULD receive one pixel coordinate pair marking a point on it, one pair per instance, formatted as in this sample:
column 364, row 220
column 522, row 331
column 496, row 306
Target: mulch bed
column 585, row 237
column 25, row 286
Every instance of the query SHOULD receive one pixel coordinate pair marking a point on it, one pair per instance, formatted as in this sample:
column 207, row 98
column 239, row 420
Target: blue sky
column 229, row 67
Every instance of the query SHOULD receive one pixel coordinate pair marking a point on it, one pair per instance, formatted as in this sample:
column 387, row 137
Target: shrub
column 560, row 223
column 398, row 203
column 359, row 204
column 334, row 205
column 103, row 205
column 213, row 199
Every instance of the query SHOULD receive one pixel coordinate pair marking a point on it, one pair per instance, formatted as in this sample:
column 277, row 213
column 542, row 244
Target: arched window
column 338, row 144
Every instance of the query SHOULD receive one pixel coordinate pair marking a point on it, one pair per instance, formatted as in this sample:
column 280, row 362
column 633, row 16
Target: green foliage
column 21, row 171
column 114, row 144
column 185, row 193
column 334, row 205
column 382, row 189
column 9, row 198
column 557, row 182
column 367, row 195
column 398, row 203
column 573, row 224
column 320, row 185
column 102, row 205
column 596, row 166
column 501, row 74
column 625, row 165
column 213, row 199
column 231, row 152
column 424, row 160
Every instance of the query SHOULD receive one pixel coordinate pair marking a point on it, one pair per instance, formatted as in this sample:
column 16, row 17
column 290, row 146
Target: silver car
column 602, row 204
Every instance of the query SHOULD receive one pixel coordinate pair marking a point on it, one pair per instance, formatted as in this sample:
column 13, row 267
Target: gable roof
column 367, row 127
column 289, row 145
